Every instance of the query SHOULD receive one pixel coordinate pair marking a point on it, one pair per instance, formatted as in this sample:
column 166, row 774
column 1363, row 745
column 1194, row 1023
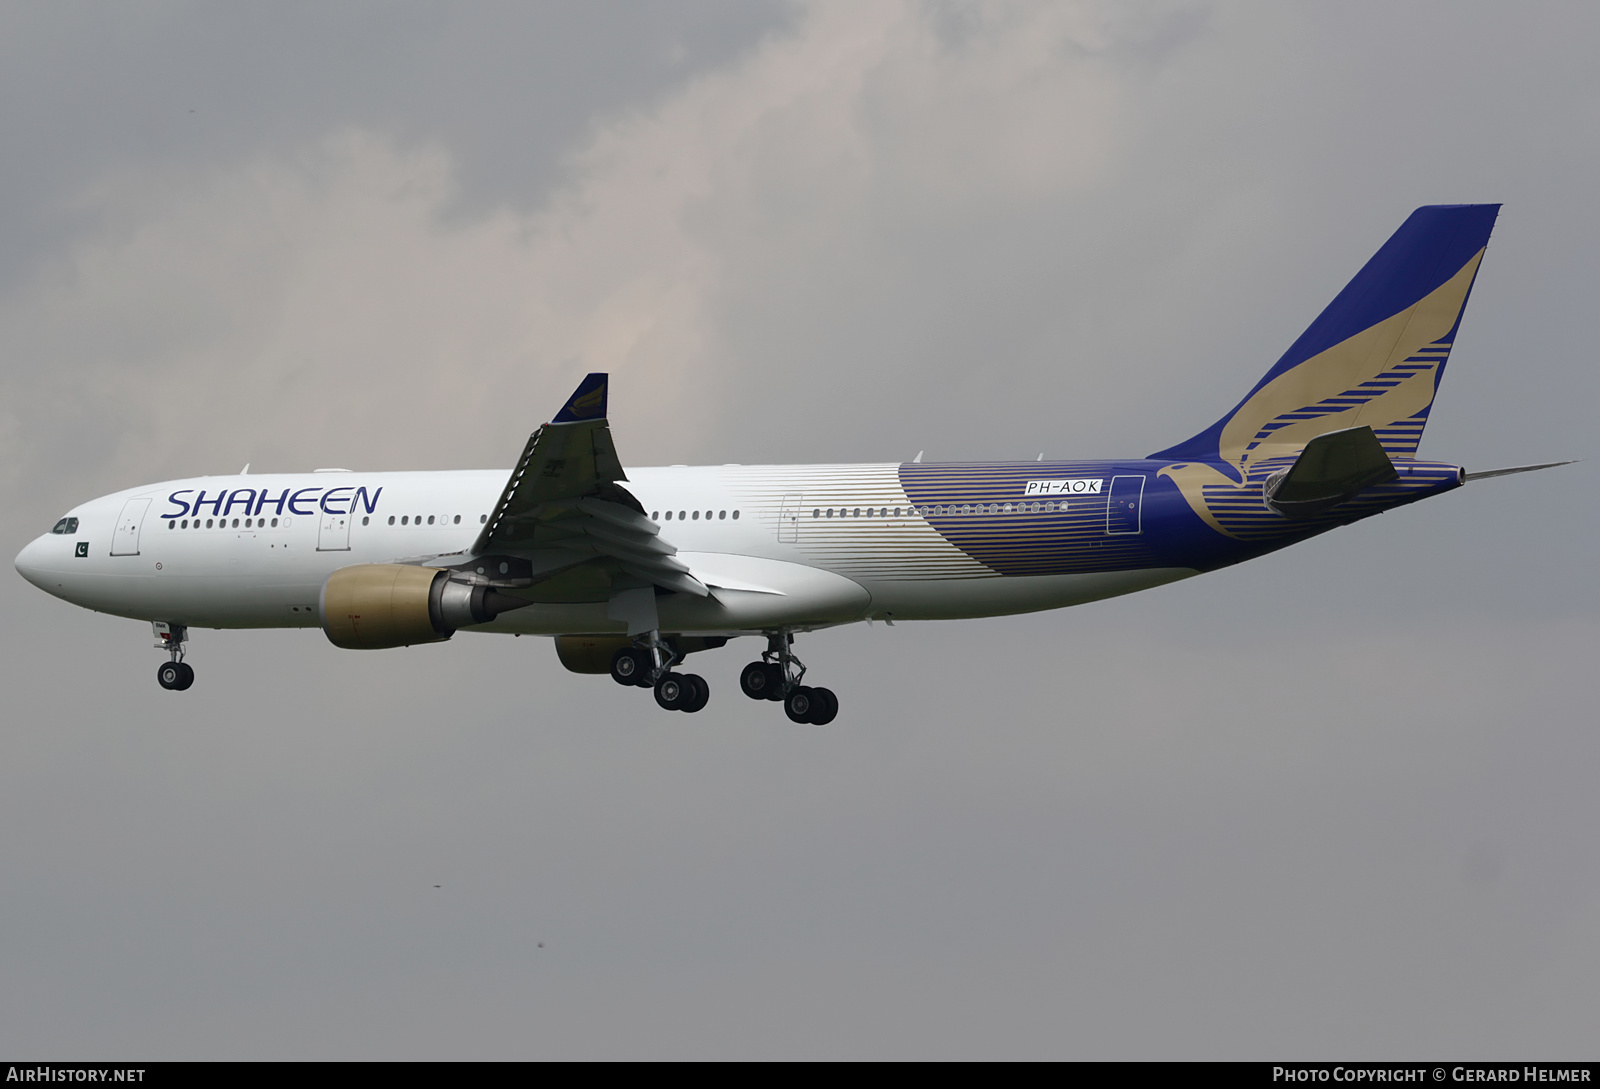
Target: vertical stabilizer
column 1373, row 358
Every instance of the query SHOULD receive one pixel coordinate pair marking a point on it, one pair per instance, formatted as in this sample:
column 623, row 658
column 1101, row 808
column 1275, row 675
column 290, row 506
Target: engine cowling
column 375, row 606
column 593, row 653
column 589, row 653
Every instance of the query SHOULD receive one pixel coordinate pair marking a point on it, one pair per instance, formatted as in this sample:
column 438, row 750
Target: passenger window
column 482, row 518
column 682, row 515
column 365, row 520
column 405, row 519
column 430, row 519
column 735, row 516
column 817, row 513
column 208, row 523
column 275, row 523
column 696, row 516
column 655, row 516
column 669, row 516
column 457, row 521
column 721, row 515
column 391, row 519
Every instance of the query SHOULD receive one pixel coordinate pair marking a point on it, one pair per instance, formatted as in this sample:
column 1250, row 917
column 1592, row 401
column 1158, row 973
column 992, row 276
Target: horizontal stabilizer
column 1331, row 469
column 1487, row 473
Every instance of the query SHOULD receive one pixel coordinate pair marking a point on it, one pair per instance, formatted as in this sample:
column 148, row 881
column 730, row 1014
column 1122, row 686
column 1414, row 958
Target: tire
column 628, row 665
column 673, row 691
column 170, row 676
column 827, row 706
column 800, row 704
column 187, row 677
column 700, row 696
column 754, row 682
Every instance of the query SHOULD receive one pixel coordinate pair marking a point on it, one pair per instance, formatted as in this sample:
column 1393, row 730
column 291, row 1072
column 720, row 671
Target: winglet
column 588, row 401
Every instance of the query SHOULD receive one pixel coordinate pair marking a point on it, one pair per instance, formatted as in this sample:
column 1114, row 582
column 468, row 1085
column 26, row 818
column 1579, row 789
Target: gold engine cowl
column 374, row 606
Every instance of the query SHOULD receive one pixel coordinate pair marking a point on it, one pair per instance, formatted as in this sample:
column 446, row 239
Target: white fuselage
column 254, row 551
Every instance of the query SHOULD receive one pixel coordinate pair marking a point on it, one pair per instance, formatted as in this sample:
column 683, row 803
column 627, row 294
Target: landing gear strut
column 777, row 677
column 175, row 675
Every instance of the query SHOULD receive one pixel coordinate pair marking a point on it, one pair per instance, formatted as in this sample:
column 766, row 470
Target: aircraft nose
column 30, row 562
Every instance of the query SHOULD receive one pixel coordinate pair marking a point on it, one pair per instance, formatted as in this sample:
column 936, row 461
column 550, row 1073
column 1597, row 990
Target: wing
column 565, row 504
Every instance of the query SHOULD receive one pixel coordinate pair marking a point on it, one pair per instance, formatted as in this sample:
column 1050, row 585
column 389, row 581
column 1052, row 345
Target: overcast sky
column 1337, row 802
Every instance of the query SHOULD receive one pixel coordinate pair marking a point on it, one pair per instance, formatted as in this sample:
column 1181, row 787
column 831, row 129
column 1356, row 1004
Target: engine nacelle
column 593, row 653
column 589, row 653
column 375, row 606
column 372, row 606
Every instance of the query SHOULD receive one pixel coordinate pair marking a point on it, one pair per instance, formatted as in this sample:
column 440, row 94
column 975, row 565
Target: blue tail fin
column 1373, row 358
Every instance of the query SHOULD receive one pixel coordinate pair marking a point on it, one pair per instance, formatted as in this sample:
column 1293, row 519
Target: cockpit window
column 66, row 525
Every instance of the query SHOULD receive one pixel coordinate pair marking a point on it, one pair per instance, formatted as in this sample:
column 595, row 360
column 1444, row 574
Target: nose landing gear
column 777, row 677
column 175, row 675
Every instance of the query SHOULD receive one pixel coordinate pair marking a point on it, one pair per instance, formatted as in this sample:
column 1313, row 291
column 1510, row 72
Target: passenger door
column 1122, row 510
column 125, row 539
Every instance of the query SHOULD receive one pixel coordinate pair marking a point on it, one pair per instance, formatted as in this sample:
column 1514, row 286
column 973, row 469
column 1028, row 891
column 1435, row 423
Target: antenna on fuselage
column 246, row 470
column 918, row 459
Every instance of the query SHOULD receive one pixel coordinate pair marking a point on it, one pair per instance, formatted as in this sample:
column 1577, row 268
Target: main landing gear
column 649, row 662
column 175, row 675
column 649, row 665
column 777, row 677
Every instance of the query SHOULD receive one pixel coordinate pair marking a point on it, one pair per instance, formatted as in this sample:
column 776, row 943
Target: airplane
column 633, row 570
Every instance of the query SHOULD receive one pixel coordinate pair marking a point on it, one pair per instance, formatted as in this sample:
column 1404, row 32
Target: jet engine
column 374, row 606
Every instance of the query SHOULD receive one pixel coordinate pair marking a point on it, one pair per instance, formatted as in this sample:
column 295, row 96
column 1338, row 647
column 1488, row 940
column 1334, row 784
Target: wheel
column 699, row 697
column 775, row 680
column 187, row 677
column 825, row 706
column 629, row 665
column 800, row 704
column 755, row 682
column 169, row 675
column 673, row 691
